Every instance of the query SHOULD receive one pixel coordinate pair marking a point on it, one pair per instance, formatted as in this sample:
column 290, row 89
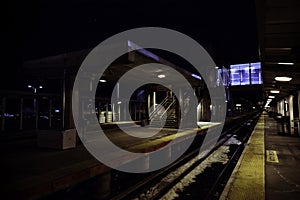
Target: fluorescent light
column 285, row 63
column 283, row 78
column 161, row 76
column 271, row 97
column 196, row 76
column 102, row 80
column 275, row 91
column 238, row 105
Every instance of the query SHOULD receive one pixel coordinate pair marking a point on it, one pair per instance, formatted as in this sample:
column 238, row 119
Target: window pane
column 244, row 74
column 256, row 73
column 235, row 75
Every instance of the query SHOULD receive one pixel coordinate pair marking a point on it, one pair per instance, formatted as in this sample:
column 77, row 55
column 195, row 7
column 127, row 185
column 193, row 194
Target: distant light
column 56, row 111
column 119, row 102
column 238, row 105
column 161, row 76
column 217, row 67
column 29, row 86
column 271, row 97
column 283, row 78
column 253, row 107
column 196, row 76
column 102, row 80
column 40, row 87
column 285, row 63
column 275, row 91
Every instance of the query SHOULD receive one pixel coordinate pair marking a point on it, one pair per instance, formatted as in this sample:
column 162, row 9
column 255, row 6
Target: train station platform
column 30, row 172
column 269, row 166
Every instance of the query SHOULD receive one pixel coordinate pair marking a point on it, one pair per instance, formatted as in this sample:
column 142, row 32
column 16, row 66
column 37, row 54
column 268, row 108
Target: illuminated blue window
column 235, row 75
column 245, row 74
column 255, row 73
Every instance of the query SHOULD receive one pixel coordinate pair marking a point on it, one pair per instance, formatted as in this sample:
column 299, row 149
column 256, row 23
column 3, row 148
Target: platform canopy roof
column 279, row 44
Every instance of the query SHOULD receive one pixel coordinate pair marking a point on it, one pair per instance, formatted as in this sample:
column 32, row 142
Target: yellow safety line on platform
column 169, row 138
column 248, row 178
column 271, row 156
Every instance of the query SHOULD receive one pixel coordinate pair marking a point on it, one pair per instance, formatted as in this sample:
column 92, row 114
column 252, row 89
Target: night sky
column 35, row 29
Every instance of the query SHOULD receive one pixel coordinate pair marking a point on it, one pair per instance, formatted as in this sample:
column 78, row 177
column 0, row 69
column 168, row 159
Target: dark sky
column 42, row 28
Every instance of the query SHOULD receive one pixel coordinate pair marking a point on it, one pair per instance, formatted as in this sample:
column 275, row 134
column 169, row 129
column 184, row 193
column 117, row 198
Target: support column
column 179, row 107
column 286, row 107
column 124, row 111
column 291, row 112
column 149, row 103
column 106, row 111
column 67, row 118
column 2, row 113
column 119, row 111
column 154, row 100
column 36, row 113
column 298, row 104
column 21, row 113
column 113, row 112
column 50, row 113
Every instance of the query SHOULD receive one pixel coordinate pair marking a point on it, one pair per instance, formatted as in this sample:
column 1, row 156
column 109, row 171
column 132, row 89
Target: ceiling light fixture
column 271, row 97
column 285, row 63
column 196, row 76
column 283, row 78
column 161, row 76
column 275, row 91
column 102, row 80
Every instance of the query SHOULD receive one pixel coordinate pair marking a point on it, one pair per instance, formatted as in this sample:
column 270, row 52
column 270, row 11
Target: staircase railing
column 158, row 108
column 165, row 112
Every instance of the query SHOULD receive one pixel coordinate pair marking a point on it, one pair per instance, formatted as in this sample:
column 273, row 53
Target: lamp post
column 35, row 108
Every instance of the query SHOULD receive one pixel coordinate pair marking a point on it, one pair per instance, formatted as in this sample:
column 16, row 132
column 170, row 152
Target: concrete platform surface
column 269, row 167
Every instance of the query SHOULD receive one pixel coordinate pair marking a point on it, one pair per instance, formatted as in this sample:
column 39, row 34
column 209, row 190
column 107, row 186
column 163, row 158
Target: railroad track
column 193, row 176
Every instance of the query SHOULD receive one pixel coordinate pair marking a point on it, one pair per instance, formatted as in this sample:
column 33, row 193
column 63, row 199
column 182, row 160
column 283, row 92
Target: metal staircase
column 164, row 112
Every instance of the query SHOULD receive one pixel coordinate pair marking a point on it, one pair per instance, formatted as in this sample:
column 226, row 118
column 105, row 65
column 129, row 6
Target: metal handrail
column 158, row 108
column 167, row 108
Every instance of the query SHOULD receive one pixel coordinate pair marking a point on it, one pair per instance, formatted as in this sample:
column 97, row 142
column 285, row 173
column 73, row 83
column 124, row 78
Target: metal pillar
column 154, row 100
column 124, row 111
column 36, row 113
column 63, row 101
column 291, row 112
column 149, row 103
column 50, row 113
column 21, row 113
column 3, row 112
